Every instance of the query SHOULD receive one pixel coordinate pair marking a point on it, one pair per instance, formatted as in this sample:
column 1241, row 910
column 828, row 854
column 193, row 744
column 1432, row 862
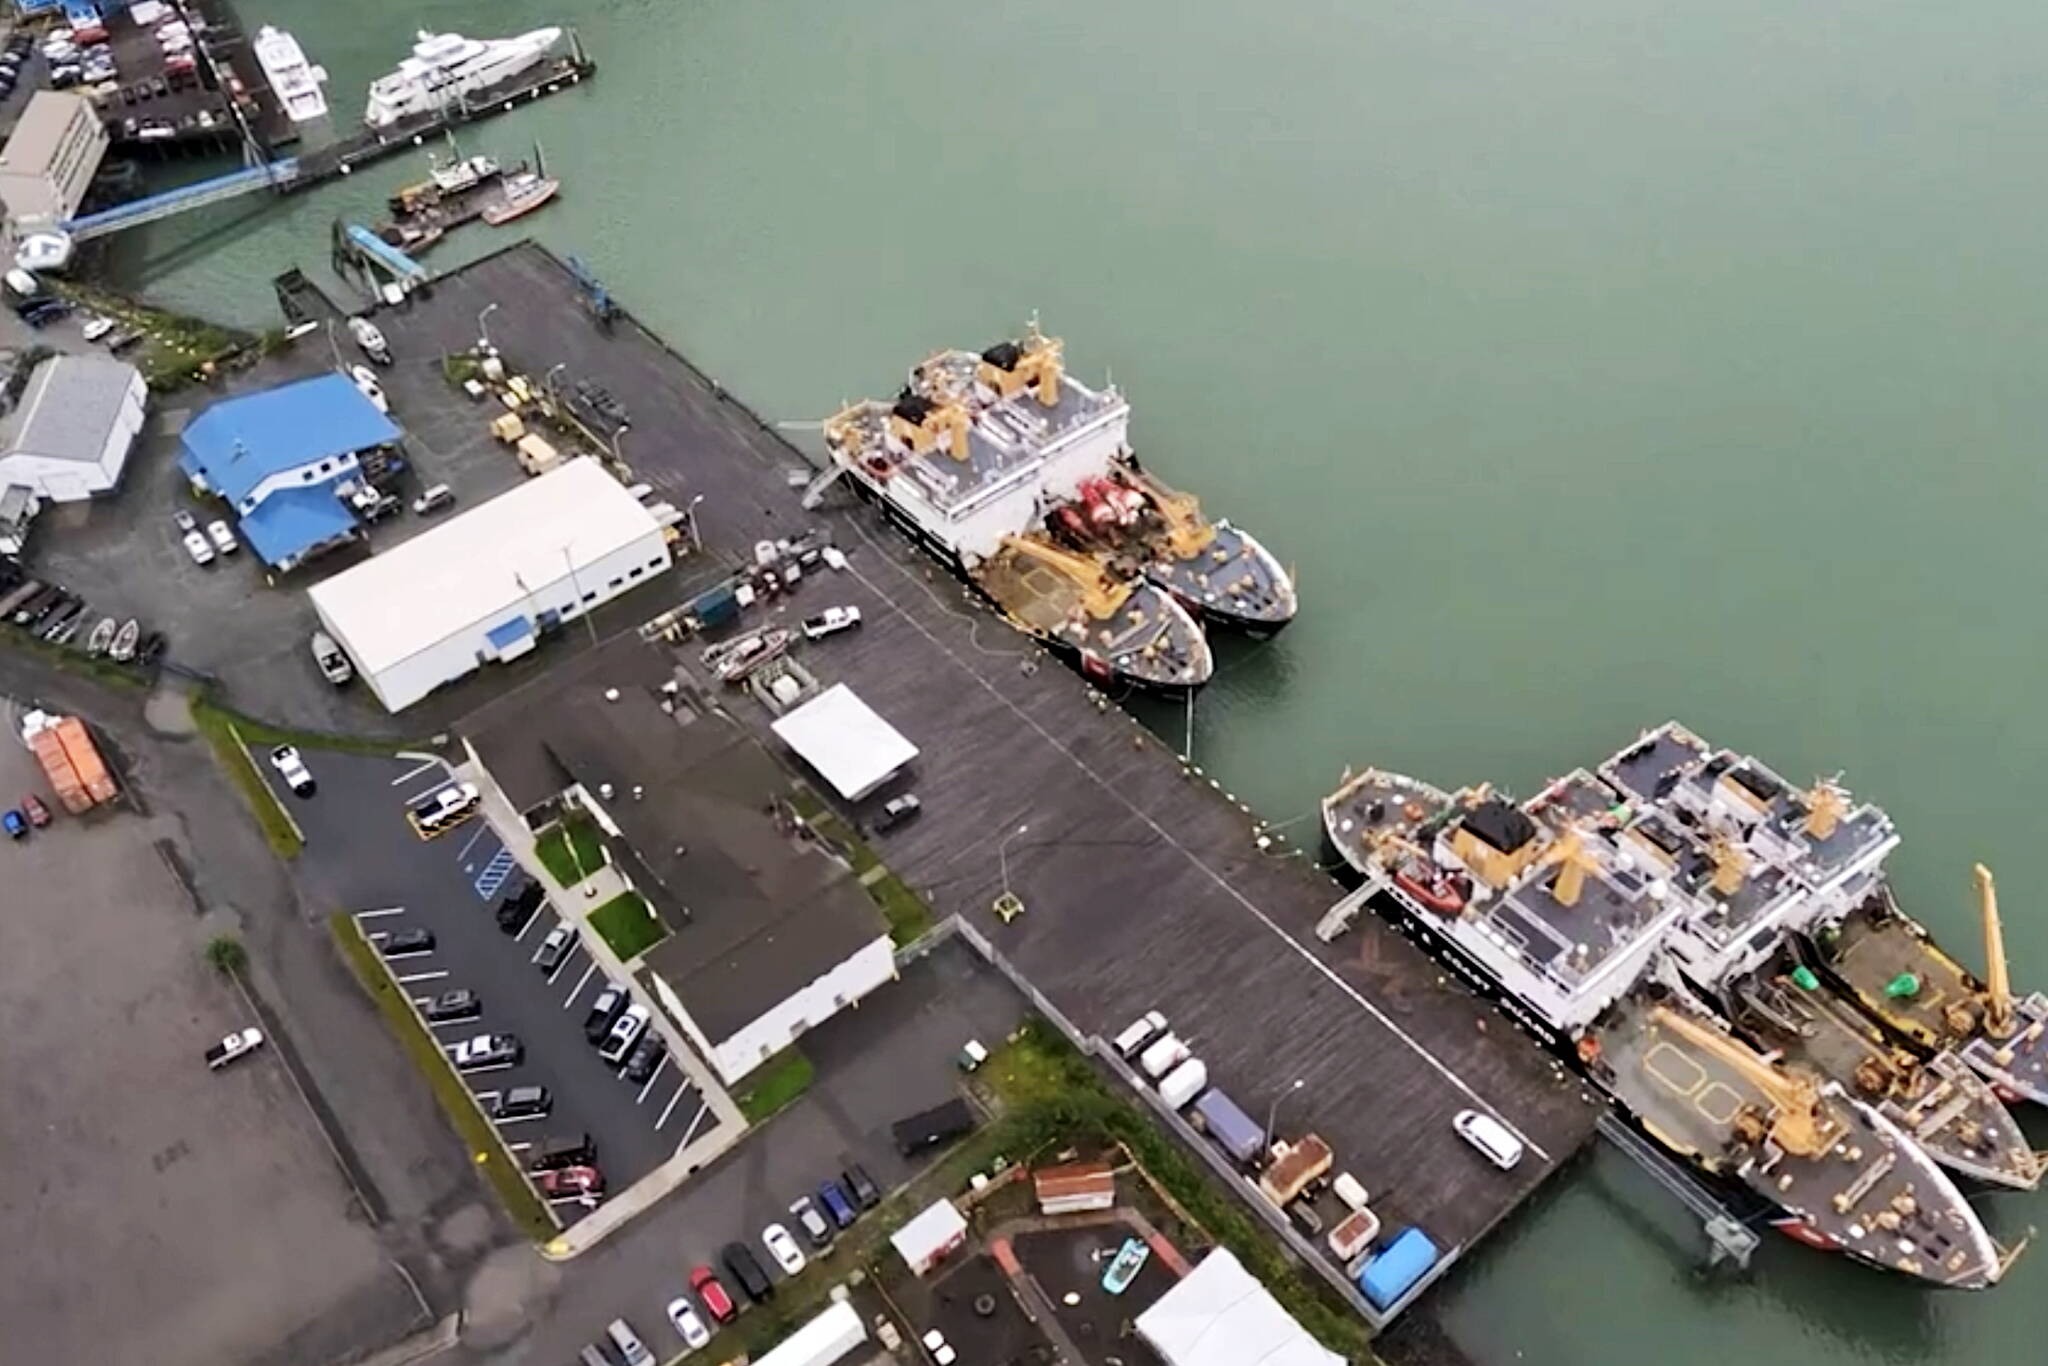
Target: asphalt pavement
column 363, row 856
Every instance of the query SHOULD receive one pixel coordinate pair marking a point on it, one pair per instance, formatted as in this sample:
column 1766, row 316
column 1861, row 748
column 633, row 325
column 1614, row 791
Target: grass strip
column 629, row 925
column 221, row 732
column 257, row 731
column 775, row 1083
column 486, row 1145
column 73, row 661
column 570, row 850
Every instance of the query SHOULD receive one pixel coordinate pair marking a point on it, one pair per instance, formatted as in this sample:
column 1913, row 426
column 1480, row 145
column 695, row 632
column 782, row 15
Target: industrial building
column 1219, row 1315
column 283, row 458
column 769, row 935
column 483, row 586
column 69, row 436
column 50, row 159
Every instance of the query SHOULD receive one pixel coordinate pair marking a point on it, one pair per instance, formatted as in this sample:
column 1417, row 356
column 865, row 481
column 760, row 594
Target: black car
column 460, row 1004
column 647, row 1055
column 151, row 648
column 409, row 941
column 512, row 917
column 522, row 1102
column 855, row 1178
column 739, row 1261
column 604, row 1013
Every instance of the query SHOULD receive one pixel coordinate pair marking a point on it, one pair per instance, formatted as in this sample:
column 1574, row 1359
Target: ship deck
column 1872, row 949
column 1141, row 885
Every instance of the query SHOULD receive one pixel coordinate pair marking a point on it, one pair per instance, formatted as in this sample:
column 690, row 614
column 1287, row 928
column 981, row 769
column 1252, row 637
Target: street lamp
column 1273, row 1110
column 547, row 381
column 483, row 332
column 1007, row 907
column 690, row 512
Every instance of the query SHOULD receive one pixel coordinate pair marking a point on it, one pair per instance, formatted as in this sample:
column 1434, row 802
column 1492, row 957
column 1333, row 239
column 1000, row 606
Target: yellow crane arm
column 1102, row 596
column 1796, row 1122
column 1997, row 985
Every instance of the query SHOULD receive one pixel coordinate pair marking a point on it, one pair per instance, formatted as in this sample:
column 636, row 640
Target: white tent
column 926, row 1239
column 1221, row 1316
column 841, row 737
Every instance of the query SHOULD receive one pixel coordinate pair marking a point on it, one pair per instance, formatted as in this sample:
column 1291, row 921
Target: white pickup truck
column 235, row 1045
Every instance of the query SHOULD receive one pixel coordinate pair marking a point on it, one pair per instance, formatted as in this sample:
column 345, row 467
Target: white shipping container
column 1166, row 1053
column 1184, row 1083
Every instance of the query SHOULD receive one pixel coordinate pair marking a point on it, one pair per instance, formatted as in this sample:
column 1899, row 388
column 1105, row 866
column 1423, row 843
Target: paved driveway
column 362, row 856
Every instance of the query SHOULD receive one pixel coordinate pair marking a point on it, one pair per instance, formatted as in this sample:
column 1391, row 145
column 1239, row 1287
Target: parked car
column 1494, row 1140
column 197, row 548
column 783, row 1249
column 239, row 1044
column 628, row 1345
column 443, row 809
column 746, row 1269
column 646, row 1057
column 811, row 1222
column 409, row 941
column 554, row 948
column 716, row 1302
column 856, row 1179
column 14, row 823
column 222, row 536
column 513, row 915
column 624, row 1034
column 831, row 622
column 604, row 1013
column 489, row 1050
column 524, row 1102
column 285, row 759
column 1138, row 1033
column 366, row 382
column 837, row 1205
column 332, row 663
column 550, row 1153
column 38, row 814
column 433, row 500
column 558, row 1182
column 459, row 1004
column 897, row 810
column 688, row 1326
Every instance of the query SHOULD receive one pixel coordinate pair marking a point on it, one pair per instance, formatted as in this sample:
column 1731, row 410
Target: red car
column 568, row 1181
column 713, row 1294
column 38, row 814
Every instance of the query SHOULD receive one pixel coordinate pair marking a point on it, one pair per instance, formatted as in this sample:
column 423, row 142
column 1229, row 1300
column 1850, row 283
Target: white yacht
column 444, row 67
column 294, row 80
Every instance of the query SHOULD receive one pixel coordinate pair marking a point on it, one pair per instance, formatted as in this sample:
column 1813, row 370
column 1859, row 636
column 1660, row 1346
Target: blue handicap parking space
column 495, row 873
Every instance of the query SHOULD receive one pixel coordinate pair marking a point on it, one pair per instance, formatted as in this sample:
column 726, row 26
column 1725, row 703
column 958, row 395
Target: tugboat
column 1890, row 964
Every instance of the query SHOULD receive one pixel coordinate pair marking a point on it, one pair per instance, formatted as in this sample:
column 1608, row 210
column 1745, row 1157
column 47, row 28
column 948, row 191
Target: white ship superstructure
column 295, row 81
column 445, row 67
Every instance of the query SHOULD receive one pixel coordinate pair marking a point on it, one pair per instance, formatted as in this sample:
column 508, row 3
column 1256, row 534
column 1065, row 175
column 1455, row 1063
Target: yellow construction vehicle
column 1102, row 597
column 1797, row 1124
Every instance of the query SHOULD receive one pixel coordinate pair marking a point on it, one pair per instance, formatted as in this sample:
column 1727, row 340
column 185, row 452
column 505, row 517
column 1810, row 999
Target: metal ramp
column 270, row 175
column 368, row 247
column 1729, row 1239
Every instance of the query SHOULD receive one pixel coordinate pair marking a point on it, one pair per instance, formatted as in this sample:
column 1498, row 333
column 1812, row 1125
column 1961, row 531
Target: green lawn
column 222, row 732
column 774, row 1084
column 487, row 1149
column 571, row 851
column 629, row 925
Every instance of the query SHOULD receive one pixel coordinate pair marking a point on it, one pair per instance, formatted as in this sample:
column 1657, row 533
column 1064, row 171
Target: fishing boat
column 102, row 637
column 521, row 195
column 123, row 648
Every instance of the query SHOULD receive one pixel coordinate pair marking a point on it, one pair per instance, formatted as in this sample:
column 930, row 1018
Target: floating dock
column 1142, row 883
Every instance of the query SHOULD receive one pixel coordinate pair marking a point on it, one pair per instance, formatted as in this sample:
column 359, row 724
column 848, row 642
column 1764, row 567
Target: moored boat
column 102, row 637
column 123, row 648
column 521, row 195
column 445, row 68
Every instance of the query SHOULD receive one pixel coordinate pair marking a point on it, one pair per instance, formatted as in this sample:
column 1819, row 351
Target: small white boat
column 44, row 251
column 294, row 80
column 102, row 637
column 123, row 648
column 524, row 193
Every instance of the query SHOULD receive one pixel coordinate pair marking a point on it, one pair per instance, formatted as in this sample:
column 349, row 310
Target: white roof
column 1221, row 1316
column 841, row 737
column 928, row 1233
column 480, row 563
column 824, row 1339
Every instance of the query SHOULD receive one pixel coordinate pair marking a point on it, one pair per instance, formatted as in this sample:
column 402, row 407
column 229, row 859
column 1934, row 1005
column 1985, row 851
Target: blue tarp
column 1394, row 1271
column 517, row 629
column 239, row 442
column 291, row 522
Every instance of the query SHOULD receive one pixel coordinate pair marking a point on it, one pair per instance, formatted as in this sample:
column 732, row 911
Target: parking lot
column 361, row 853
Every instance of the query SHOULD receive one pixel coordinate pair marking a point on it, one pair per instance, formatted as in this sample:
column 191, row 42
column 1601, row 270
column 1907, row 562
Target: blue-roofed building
column 284, row 458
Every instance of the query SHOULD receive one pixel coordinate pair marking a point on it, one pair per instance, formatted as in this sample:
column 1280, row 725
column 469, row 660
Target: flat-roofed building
column 50, row 158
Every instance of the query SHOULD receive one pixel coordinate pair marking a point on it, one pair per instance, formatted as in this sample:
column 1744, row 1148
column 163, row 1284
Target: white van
column 1138, row 1033
column 1492, row 1138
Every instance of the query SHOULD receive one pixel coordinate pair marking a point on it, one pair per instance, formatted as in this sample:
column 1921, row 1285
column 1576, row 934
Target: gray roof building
column 69, row 435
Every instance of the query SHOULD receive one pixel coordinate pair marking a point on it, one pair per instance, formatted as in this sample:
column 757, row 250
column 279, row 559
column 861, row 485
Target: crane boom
column 1797, row 1124
column 1102, row 596
column 1998, row 987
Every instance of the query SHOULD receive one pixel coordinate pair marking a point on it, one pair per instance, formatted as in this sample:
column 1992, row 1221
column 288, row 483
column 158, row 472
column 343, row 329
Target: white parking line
column 516, row 1119
column 659, row 1068
column 486, row 1096
column 422, row 1000
column 402, row 779
column 445, row 1024
column 518, row 1147
column 703, row 1109
column 669, row 1109
column 479, row 1071
column 421, row 977
column 378, row 936
column 531, row 921
column 581, row 982
column 481, row 830
column 372, row 915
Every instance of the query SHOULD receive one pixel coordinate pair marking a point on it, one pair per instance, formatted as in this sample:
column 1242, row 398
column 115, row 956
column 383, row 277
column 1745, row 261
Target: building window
column 654, row 564
column 306, row 475
column 590, row 597
column 635, row 572
column 615, row 583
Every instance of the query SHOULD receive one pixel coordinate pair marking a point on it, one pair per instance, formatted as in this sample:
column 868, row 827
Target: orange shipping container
column 85, row 757
column 49, row 752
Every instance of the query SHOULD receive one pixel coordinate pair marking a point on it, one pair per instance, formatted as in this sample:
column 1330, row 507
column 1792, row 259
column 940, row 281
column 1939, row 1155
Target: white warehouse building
column 485, row 584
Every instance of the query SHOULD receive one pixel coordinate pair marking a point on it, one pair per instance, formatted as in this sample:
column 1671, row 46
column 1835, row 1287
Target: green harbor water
column 1595, row 363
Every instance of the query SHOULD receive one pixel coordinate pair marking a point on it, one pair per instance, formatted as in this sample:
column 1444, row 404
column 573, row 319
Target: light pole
column 1007, row 907
column 1273, row 1110
column 690, row 512
column 547, row 381
column 483, row 332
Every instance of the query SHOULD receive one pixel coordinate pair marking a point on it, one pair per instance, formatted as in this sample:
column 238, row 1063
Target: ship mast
column 1998, row 987
column 1797, row 1125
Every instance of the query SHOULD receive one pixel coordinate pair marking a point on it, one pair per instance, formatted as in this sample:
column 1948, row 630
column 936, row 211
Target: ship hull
column 1253, row 628
column 1096, row 670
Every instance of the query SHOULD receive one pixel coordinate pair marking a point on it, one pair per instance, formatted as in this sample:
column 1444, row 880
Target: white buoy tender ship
column 1021, row 479
column 446, row 67
column 1717, row 951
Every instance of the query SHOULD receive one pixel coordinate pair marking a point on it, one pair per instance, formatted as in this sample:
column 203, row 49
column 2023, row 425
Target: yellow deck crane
column 1730, row 867
column 1797, row 1123
column 1998, row 1019
column 1826, row 804
column 1038, row 367
column 1574, row 862
column 1102, row 597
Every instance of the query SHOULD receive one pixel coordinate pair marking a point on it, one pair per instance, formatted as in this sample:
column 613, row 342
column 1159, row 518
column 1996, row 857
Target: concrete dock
column 1141, row 883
